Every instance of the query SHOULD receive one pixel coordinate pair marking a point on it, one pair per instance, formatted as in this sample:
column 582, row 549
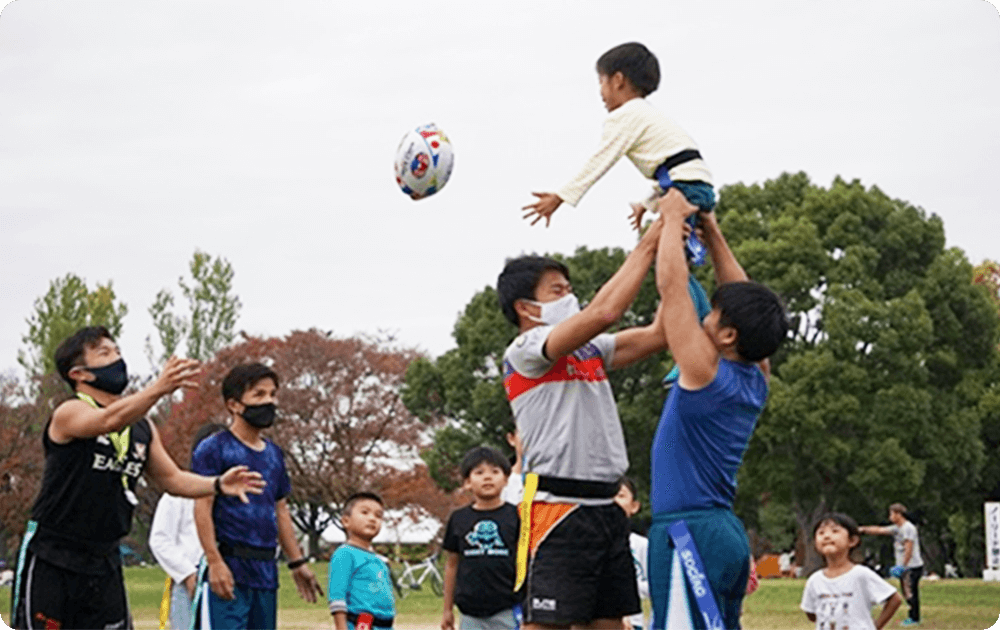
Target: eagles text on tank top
column 82, row 509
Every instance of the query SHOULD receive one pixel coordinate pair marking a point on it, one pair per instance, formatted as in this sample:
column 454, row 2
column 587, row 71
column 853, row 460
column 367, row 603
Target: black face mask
column 259, row 416
column 112, row 378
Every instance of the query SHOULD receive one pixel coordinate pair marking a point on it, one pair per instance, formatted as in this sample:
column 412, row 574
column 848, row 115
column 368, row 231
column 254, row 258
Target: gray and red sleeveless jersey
column 565, row 411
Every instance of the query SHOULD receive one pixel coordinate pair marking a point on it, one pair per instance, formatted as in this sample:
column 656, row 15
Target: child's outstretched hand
column 543, row 208
column 636, row 218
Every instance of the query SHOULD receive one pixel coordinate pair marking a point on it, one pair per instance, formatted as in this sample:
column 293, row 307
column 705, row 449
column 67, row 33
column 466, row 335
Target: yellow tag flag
column 524, row 537
column 165, row 604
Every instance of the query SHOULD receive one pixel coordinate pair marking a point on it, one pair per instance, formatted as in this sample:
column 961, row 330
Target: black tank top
column 82, row 509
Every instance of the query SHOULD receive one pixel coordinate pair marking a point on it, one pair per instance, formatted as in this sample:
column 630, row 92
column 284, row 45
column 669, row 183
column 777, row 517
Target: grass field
column 945, row 604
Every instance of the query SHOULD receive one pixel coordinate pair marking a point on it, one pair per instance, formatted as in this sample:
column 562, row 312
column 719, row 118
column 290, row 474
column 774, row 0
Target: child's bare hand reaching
column 638, row 210
column 543, row 208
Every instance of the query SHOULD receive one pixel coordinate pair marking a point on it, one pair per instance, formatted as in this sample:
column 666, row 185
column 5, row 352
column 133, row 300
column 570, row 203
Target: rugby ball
column 423, row 161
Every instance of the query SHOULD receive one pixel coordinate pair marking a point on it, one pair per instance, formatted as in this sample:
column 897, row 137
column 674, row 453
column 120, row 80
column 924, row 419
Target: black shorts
column 52, row 598
column 583, row 570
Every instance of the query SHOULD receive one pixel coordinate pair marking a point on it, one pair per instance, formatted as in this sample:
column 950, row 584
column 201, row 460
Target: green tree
column 966, row 526
column 877, row 396
column 210, row 321
column 988, row 273
column 67, row 306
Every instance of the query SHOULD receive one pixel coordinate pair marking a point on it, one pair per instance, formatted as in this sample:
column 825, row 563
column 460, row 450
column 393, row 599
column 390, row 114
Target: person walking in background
column 909, row 564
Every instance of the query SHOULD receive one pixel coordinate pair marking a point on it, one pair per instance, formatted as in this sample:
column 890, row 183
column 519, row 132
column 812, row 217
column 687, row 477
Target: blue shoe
column 909, row 622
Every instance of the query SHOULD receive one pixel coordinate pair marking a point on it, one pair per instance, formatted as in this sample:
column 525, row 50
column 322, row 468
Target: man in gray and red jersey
column 574, row 549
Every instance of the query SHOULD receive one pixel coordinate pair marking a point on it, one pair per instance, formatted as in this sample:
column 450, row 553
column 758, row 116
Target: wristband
column 218, row 487
column 295, row 564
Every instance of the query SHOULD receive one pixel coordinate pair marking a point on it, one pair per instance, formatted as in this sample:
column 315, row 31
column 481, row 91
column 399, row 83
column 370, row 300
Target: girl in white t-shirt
column 841, row 596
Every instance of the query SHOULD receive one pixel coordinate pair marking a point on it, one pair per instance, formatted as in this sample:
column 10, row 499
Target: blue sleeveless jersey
column 702, row 437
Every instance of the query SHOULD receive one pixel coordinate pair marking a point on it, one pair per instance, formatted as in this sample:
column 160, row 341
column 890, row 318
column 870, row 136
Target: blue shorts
column 252, row 609
column 700, row 194
column 725, row 550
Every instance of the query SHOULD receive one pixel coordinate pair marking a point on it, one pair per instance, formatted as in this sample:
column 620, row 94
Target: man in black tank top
column 97, row 444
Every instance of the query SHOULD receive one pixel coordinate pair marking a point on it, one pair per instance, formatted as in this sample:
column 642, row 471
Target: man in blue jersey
column 240, row 540
column 706, row 424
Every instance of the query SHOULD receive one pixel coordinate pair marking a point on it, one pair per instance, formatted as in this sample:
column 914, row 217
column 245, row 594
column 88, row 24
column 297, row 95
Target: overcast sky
column 133, row 133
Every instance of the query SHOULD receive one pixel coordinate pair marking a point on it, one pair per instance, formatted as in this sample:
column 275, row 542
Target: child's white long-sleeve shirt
column 647, row 137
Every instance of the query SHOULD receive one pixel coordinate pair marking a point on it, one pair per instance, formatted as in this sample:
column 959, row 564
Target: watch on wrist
column 295, row 564
column 218, row 487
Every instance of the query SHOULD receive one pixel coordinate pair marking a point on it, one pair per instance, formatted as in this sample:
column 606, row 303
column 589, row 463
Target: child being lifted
column 660, row 149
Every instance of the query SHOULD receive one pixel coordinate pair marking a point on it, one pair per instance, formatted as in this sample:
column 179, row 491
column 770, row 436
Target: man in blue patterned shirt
column 240, row 539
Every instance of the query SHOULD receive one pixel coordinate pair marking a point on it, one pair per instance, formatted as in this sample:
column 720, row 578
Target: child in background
column 639, row 545
column 514, row 491
column 841, row 596
column 360, row 585
column 480, row 542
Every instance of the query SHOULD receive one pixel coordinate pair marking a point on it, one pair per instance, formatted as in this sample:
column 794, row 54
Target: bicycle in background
column 412, row 576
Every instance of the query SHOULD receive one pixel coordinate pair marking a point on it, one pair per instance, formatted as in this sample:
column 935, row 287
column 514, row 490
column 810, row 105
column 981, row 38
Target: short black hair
column 243, row 377
column 845, row 521
column 360, row 496
column 756, row 313
column 626, row 482
column 481, row 454
column 635, row 62
column 69, row 354
column 519, row 279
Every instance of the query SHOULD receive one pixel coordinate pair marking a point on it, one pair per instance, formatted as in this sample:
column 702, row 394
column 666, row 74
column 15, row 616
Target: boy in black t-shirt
column 481, row 544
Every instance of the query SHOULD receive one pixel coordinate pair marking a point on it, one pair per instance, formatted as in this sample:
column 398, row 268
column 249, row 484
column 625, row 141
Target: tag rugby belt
column 577, row 488
column 247, row 553
column 681, row 157
column 377, row 622
column 559, row 486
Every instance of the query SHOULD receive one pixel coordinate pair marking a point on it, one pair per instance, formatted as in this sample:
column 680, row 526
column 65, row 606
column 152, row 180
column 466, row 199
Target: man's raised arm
column 611, row 301
column 693, row 351
column 76, row 419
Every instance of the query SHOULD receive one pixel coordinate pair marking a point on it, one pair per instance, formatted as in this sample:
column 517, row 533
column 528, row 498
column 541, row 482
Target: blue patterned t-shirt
column 252, row 524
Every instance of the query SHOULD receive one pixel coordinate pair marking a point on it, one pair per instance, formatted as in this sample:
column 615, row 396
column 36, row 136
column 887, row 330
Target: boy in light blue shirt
column 360, row 589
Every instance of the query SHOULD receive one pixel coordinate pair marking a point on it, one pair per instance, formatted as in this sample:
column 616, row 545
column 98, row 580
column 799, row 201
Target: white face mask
column 556, row 311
